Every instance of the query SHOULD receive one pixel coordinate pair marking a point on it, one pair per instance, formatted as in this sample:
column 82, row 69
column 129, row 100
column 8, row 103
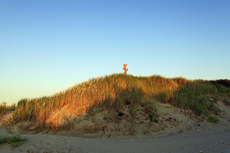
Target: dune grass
column 116, row 91
column 14, row 141
column 111, row 92
column 4, row 108
column 194, row 96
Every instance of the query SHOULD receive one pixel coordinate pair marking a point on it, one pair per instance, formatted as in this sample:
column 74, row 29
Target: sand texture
column 176, row 132
column 214, row 142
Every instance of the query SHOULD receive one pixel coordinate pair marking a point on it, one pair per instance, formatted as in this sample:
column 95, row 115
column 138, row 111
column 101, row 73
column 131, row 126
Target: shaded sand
column 179, row 132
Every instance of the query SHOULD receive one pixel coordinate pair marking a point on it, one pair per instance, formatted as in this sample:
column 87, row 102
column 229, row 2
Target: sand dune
column 182, row 135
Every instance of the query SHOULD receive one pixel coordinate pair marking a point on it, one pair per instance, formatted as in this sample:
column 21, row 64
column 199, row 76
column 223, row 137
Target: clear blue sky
column 47, row 46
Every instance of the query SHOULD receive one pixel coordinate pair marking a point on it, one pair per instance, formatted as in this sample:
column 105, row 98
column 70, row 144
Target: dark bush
column 22, row 102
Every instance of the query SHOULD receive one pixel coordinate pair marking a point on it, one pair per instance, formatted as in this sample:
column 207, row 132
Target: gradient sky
column 47, row 46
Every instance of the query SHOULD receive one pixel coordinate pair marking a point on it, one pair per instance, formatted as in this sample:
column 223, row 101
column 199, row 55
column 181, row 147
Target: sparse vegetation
column 14, row 141
column 4, row 108
column 122, row 92
column 213, row 119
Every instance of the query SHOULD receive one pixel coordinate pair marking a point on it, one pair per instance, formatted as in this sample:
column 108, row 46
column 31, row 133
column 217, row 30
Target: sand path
column 208, row 138
column 213, row 142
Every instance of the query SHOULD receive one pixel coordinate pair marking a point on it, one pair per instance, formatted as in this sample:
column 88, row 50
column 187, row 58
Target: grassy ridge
column 117, row 90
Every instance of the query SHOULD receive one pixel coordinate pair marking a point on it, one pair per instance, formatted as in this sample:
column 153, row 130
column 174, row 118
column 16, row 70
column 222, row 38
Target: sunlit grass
column 116, row 91
column 4, row 108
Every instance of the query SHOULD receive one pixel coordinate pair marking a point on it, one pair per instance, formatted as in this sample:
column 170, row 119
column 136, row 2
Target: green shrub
column 22, row 102
column 153, row 118
column 223, row 89
column 133, row 110
column 165, row 96
column 14, row 141
column 213, row 119
column 192, row 96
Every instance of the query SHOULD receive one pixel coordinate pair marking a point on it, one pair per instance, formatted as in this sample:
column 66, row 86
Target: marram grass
column 115, row 91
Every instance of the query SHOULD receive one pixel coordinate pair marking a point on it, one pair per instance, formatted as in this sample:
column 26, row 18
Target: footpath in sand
column 189, row 138
column 213, row 142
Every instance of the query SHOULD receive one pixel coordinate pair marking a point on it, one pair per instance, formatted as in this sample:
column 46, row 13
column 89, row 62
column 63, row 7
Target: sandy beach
column 210, row 142
column 187, row 137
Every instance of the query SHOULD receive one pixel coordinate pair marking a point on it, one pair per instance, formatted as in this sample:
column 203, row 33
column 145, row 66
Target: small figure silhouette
column 124, row 68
